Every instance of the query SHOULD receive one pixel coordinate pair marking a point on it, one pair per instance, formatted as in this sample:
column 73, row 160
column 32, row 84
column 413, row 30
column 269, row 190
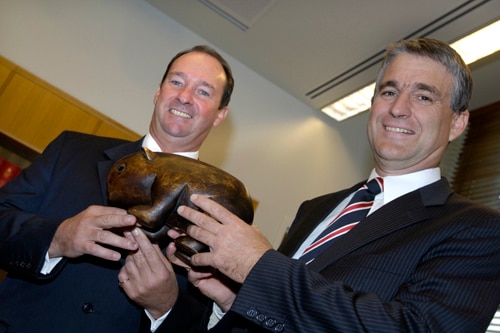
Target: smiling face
column 411, row 122
column 186, row 103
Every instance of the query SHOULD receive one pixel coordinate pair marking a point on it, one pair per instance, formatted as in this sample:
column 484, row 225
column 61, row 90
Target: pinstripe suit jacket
column 426, row 262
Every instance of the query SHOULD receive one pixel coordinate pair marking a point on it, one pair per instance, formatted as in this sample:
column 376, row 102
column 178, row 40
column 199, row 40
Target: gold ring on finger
column 121, row 283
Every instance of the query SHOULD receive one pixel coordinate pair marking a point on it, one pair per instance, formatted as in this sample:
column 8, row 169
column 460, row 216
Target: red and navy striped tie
column 355, row 211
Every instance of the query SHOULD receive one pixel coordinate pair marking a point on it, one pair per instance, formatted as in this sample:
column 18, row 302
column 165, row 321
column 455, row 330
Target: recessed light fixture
column 479, row 44
column 349, row 106
column 471, row 48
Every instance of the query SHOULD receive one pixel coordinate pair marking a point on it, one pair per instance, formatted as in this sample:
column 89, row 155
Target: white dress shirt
column 394, row 187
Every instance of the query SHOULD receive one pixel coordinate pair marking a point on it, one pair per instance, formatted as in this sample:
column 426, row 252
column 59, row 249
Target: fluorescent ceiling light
column 471, row 48
column 351, row 105
column 479, row 44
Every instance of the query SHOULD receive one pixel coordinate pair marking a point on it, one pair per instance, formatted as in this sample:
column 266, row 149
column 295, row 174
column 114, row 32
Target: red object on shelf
column 8, row 171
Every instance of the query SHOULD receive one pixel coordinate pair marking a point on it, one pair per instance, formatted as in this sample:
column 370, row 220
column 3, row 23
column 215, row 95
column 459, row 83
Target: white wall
column 111, row 54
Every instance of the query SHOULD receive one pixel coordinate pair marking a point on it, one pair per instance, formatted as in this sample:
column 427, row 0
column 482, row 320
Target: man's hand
column 235, row 246
column 148, row 277
column 84, row 233
column 208, row 280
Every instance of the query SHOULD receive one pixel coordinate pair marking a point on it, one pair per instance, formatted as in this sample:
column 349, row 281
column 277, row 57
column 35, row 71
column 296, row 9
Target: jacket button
column 261, row 317
column 88, row 308
column 251, row 313
column 279, row 328
column 270, row 322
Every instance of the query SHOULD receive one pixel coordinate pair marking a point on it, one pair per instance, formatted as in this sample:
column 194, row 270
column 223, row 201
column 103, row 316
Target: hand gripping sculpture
column 151, row 186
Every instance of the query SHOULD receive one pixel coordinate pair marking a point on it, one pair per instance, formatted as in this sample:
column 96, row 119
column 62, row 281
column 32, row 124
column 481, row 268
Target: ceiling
column 322, row 50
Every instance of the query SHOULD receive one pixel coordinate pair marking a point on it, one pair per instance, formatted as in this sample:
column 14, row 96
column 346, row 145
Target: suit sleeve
column 20, row 202
column 188, row 315
column 59, row 184
column 191, row 314
column 450, row 284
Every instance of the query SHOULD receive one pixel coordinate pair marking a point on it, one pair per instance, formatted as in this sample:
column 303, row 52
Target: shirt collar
column 396, row 186
column 150, row 143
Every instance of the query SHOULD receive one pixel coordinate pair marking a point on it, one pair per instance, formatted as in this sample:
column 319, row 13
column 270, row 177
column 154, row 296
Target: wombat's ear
column 150, row 155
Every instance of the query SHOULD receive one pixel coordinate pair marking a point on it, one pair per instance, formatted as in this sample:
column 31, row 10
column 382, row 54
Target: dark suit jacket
column 427, row 262
column 80, row 295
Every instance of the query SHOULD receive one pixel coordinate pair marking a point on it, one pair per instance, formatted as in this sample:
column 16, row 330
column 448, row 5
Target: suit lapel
column 386, row 220
column 112, row 155
column 305, row 222
column 398, row 214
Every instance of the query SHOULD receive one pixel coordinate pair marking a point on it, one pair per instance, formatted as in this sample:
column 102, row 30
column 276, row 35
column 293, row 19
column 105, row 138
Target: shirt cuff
column 155, row 323
column 49, row 264
column 216, row 315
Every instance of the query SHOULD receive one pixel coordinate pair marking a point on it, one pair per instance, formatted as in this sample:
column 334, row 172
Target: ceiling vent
column 444, row 20
column 241, row 13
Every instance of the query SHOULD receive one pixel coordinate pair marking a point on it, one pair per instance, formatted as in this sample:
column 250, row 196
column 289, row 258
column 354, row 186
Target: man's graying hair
column 441, row 53
column 228, row 89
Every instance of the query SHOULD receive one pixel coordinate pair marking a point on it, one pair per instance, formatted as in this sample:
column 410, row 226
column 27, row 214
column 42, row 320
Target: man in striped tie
column 424, row 259
column 357, row 209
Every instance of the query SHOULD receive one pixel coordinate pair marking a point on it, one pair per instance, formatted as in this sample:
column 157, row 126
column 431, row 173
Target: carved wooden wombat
column 152, row 185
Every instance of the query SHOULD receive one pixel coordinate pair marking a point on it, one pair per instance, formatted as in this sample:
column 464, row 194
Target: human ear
column 459, row 123
column 157, row 94
column 221, row 115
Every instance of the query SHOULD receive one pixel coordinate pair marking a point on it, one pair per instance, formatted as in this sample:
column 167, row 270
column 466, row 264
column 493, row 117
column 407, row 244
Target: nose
column 400, row 106
column 185, row 96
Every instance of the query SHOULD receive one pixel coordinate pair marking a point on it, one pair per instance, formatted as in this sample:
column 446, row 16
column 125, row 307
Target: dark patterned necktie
column 353, row 213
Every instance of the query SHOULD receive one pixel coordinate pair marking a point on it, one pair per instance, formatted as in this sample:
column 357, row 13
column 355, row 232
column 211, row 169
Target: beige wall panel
column 35, row 115
column 33, row 112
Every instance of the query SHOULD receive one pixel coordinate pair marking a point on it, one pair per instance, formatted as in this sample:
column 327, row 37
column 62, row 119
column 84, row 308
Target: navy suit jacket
column 426, row 262
column 82, row 294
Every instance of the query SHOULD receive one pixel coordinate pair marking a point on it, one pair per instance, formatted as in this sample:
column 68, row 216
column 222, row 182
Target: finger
column 202, row 259
column 149, row 256
column 143, row 263
column 140, row 256
column 172, row 233
column 97, row 250
column 123, row 276
column 122, row 283
column 106, row 210
column 171, row 250
column 215, row 210
column 195, row 276
column 119, row 220
column 143, row 242
column 97, row 237
column 202, row 235
column 130, row 269
column 199, row 218
column 110, row 238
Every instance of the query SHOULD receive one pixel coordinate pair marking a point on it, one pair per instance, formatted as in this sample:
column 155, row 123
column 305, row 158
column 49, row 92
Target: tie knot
column 376, row 185
column 368, row 191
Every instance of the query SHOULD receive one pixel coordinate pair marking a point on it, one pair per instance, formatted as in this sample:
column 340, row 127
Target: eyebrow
column 183, row 75
column 419, row 85
column 433, row 90
column 390, row 83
